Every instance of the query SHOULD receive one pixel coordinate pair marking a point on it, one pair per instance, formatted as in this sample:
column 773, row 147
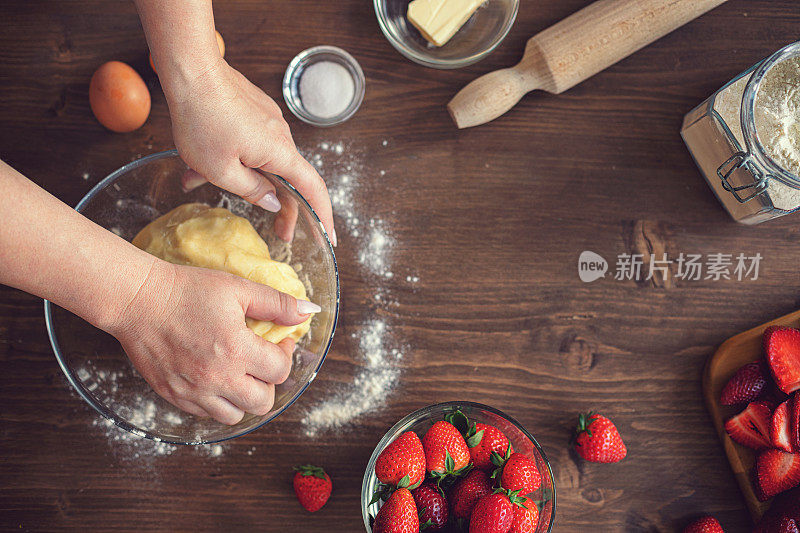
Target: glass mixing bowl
column 94, row 361
column 476, row 39
column 420, row 421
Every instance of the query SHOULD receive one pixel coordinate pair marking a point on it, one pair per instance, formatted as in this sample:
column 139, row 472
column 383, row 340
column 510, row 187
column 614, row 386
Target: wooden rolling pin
column 572, row 51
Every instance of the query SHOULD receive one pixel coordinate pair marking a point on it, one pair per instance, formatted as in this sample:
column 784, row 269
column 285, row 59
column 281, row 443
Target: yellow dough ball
column 202, row 236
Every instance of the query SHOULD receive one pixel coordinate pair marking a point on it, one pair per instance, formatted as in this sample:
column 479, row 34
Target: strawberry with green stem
column 519, row 473
column 446, row 452
column 312, row 486
column 597, row 439
column 496, row 512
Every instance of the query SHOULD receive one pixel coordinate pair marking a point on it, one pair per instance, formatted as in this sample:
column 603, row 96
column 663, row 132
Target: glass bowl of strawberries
column 458, row 466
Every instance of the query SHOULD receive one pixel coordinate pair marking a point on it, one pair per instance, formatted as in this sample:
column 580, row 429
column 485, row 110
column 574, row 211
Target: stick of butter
column 439, row 20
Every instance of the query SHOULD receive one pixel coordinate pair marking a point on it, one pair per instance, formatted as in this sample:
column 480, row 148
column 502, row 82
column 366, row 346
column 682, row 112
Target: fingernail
column 192, row 181
column 304, row 307
column 333, row 236
column 270, row 202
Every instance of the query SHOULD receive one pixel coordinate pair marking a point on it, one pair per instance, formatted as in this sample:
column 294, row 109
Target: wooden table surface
column 492, row 221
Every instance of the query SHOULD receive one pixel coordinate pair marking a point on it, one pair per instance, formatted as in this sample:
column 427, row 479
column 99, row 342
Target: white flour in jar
column 777, row 121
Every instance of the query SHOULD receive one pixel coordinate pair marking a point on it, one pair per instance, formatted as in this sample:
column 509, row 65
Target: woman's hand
column 185, row 332
column 225, row 127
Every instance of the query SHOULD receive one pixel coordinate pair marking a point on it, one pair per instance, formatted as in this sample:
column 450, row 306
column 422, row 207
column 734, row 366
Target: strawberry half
column 782, row 346
column 780, row 433
column 746, row 385
column 751, row 427
column 776, row 471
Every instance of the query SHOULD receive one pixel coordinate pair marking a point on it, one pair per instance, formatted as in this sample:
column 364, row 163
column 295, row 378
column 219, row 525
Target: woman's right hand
column 185, row 333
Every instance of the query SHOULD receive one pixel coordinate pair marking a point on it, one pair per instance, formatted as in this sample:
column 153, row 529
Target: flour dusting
column 377, row 350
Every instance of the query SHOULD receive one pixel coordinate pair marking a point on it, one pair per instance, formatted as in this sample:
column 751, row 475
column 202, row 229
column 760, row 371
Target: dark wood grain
column 491, row 219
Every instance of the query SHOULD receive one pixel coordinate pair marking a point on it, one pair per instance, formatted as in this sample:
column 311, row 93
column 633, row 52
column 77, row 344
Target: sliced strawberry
column 746, row 385
column 782, row 346
column 776, row 471
column 751, row 427
column 780, row 434
column 794, row 421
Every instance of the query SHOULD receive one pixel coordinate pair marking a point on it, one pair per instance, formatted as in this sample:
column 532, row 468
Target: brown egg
column 220, row 44
column 119, row 98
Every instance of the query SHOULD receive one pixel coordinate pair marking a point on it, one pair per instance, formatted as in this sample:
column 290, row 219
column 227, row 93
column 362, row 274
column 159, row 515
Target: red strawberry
column 398, row 514
column 402, row 463
column 492, row 514
column 446, row 452
column 482, row 440
column 526, row 517
column 707, row 524
column 776, row 471
column 794, row 421
column 433, row 512
column 745, row 386
column 312, row 486
column 520, row 473
column 598, row 440
column 467, row 491
column 782, row 346
column 780, row 434
column 751, row 427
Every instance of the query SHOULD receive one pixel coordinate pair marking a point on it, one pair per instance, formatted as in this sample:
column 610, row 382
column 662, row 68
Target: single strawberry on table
column 398, row 514
column 746, row 385
column 780, row 434
column 446, row 451
column 752, row 426
column 466, row 492
column 707, row 524
column 598, row 440
column 402, row 463
column 520, row 473
column 776, row 471
column 782, row 349
column 483, row 440
column 312, row 486
column 432, row 506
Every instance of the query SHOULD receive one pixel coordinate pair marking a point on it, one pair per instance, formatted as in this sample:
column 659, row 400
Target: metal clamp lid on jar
column 755, row 159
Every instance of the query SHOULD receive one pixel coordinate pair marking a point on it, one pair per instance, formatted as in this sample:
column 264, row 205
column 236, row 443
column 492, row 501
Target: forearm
column 180, row 34
column 50, row 250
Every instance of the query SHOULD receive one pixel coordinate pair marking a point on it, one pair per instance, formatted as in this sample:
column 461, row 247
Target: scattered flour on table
column 377, row 350
column 142, row 412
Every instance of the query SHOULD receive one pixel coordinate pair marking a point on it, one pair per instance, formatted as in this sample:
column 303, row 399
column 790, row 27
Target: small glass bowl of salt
column 324, row 86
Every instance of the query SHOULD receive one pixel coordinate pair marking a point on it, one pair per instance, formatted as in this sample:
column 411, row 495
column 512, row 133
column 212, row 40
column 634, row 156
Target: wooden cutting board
column 730, row 356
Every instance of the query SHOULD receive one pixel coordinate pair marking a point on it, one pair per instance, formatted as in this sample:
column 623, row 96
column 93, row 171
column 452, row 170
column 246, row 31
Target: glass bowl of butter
column 446, row 34
column 149, row 190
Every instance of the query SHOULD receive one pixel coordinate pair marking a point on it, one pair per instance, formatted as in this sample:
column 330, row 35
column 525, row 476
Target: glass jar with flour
column 746, row 139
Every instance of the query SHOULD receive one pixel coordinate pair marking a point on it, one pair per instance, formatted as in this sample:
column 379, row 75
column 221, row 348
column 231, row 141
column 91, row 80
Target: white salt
column 326, row 89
